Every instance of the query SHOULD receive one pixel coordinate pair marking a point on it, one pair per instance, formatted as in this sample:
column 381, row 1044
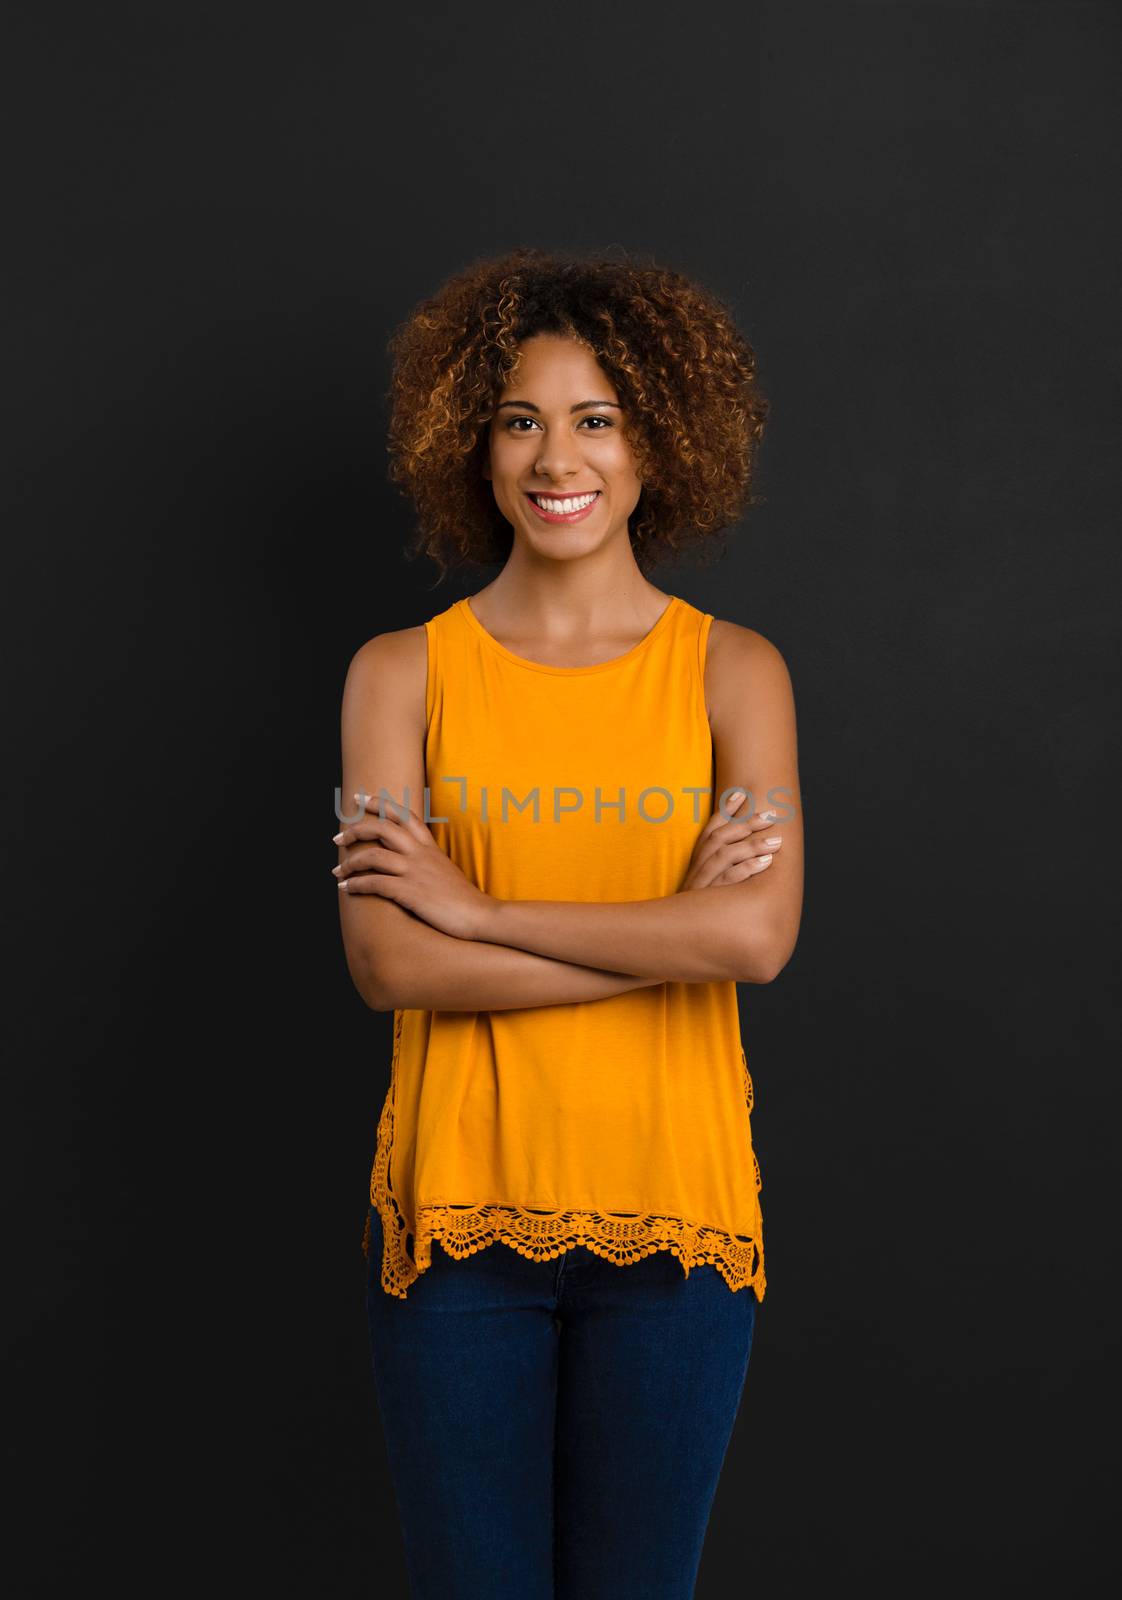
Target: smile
column 570, row 508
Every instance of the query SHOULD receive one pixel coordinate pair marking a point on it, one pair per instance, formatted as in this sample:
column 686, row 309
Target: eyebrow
column 528, row 405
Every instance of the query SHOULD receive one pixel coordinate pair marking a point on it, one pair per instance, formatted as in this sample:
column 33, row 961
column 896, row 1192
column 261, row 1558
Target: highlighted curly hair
column 685, row 376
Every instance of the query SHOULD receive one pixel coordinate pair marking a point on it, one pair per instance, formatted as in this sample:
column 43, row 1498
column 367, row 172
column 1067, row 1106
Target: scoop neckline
column 566, row 672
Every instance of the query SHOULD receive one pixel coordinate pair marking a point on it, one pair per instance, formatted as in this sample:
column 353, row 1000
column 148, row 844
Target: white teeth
column 562, row 508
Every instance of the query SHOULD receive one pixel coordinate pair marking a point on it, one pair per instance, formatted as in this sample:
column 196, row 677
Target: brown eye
column 512, row 424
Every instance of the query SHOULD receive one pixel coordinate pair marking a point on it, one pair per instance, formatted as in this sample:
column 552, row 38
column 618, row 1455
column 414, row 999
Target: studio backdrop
column 218, row 214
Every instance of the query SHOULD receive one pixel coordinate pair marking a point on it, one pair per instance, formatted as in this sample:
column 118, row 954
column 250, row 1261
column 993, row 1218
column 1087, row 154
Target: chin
column 567, row 549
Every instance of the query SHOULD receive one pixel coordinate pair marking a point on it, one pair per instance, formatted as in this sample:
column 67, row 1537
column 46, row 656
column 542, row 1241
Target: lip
column 572, row 516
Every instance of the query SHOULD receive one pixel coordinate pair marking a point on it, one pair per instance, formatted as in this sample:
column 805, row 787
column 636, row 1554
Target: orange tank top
column 622, row 1124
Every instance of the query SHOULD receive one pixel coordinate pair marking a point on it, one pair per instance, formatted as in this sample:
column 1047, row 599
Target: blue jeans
column 556, row 1429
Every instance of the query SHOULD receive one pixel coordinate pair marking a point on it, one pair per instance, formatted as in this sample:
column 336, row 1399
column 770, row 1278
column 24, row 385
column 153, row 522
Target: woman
column 555, row 884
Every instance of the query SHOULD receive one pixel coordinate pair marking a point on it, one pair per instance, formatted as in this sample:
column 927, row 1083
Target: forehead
column 551, row 361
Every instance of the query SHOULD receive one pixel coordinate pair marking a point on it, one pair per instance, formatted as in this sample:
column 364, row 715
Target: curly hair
column 693, row 413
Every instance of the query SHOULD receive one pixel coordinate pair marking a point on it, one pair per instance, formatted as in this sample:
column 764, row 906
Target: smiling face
column 562, row 472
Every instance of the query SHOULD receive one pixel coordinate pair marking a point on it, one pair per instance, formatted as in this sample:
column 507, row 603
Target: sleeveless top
column 621, row 1124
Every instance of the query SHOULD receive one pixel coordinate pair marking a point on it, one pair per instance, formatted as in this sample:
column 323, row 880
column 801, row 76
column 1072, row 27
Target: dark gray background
column 217, row 214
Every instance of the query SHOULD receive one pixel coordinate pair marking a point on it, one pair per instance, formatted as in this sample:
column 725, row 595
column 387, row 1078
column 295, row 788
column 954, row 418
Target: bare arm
column 433, row 972
column 744, row 931
column 396, row 960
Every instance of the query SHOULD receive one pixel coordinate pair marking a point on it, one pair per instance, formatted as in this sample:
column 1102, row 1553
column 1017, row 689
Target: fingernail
column 763, row 860
column 338, row 870
column 337, row 839
column 773, row 844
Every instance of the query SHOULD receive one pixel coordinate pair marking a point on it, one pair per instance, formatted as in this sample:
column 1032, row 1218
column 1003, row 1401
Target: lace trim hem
column 623, row 1238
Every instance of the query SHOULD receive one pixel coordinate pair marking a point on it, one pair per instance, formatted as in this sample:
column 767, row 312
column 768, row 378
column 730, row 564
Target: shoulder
column 392, row 651
column 390, row 666
column 742, row 665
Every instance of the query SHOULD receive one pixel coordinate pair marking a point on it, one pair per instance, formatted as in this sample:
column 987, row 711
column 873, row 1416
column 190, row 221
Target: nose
column 557, row 459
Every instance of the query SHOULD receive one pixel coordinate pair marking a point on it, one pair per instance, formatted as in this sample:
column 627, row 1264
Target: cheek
column 504, row 461
column 622, row 464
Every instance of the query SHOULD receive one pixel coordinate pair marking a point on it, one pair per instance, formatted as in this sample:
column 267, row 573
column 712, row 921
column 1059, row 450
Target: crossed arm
column 521, row 953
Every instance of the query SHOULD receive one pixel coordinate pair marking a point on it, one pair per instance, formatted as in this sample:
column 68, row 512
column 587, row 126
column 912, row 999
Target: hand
column 397, row 857
column 730, row 850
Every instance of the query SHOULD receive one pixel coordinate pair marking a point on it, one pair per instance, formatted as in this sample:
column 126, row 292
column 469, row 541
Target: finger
column 725, row 810
column 736, row 843
column 756, row 820
column 741, row 870
column 720, row 867
column 739, row 833
column 387, row 803
column 384, row 828
column 725, row 866
column 754, row 864
column 749, row 828
column 729, row 855
column 370, row 858
column 370, row 883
